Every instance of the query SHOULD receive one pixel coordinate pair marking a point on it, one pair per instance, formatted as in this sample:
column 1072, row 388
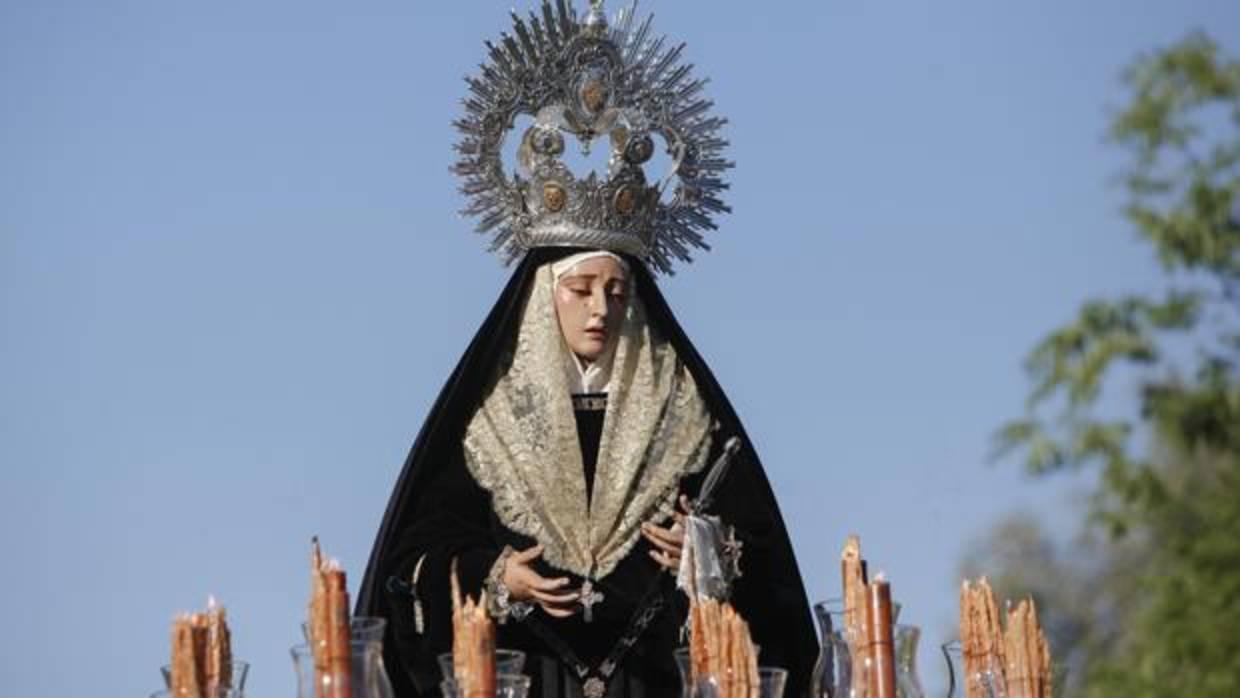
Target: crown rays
column 531, row 67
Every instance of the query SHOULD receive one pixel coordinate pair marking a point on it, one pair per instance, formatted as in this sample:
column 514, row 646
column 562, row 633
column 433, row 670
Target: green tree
column 1160, row 610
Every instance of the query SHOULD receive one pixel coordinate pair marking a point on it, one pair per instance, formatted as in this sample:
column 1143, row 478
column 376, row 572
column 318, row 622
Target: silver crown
column 591, row 79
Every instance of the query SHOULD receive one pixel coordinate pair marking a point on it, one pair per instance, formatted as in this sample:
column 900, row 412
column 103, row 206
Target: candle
column 981, row 637
column 853, row 571
column 218, row 668
column 185, row 680
column 330, row 637
column 720, row 646
column 338, row 648
column 881, row 642
column 473, row 643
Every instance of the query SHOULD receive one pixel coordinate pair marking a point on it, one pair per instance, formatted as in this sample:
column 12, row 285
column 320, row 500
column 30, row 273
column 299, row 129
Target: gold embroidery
column 521, row 444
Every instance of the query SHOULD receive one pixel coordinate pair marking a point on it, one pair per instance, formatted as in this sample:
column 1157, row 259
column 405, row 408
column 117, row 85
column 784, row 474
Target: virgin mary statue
column 555, row 468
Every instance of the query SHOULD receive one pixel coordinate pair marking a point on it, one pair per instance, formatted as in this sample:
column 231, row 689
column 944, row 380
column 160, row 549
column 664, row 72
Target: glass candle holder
column 684, row 665
column 833, row 672
column 217, row 693
column 985, row 683
column 838, row 673
column 771, row 683
column 506, row 686
column 908, row 683
column 365, row 628
column 1035, row 685
column 506, row 662
column 240, row 670
column 367, row 676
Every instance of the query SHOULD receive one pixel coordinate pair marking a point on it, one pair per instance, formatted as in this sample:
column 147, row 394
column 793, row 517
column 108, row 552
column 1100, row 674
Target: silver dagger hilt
column 715, row 476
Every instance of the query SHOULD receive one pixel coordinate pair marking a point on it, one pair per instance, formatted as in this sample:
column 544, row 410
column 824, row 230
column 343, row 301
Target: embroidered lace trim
column 521, row 445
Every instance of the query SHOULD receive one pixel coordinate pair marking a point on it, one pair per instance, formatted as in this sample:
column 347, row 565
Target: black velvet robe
column 437, row 513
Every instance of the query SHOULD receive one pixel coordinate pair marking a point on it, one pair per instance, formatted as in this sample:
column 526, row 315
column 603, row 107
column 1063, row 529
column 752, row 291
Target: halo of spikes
column 591, row 78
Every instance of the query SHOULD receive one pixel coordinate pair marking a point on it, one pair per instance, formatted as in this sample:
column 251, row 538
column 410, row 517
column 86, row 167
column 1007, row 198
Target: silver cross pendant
column 589, row 597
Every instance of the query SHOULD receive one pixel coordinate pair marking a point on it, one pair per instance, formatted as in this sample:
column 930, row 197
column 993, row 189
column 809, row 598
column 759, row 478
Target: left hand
column 668, row 541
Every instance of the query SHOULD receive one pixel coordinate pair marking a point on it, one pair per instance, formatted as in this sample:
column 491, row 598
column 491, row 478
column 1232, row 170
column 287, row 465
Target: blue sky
column 232, row 281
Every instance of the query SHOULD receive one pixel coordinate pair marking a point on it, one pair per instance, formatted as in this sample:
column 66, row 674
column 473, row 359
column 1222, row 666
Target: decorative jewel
column 594, row 688
column 499, row 601
column 548, row 142
column 554, row 197
column 625, row 201
column 594, row 95
column 639, row 150
column 590, row 78
column 596, row 20
column 619, row 138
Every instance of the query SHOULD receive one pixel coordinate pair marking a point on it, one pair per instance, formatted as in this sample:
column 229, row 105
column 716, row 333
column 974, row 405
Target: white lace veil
column 521, row 444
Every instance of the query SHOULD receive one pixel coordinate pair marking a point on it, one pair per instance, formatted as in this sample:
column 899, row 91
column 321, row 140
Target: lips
column 597, row 334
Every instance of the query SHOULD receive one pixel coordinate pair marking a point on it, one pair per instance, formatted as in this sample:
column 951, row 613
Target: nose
column 598, row 304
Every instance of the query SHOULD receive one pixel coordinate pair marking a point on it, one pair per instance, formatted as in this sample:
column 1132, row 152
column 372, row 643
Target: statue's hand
column 524, row 584
column 668, row 541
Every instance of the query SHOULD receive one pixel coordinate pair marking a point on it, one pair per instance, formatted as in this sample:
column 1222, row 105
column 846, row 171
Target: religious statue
column 556, row 468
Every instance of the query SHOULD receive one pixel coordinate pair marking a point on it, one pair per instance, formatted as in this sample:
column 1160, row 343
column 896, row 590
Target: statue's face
column 590, row 300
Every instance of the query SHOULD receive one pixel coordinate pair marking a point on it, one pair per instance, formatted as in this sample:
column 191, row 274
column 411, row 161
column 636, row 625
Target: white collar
column 594, row 378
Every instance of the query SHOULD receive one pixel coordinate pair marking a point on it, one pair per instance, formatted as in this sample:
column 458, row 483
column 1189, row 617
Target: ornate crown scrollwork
column 591, row 79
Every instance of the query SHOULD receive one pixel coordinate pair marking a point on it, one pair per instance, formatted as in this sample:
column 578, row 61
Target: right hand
column 524, row 584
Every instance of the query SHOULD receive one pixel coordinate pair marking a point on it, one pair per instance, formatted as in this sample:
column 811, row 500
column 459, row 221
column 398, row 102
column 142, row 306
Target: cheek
column 616, row 308
column 563, row 301
column 569, row 311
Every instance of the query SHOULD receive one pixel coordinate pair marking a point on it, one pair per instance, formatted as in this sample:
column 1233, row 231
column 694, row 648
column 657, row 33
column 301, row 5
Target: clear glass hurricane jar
column 506, row 686
column 367, row 677
column 908, row 683
column 771, row 684
column 833, row 671
column 506, row 662
column 217, row 693
column 240, row 671
column 366, row 628
column 684, row 666
column 982, row 683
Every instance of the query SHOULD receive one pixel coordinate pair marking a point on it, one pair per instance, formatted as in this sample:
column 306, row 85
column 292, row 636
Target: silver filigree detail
column 594, row 687
column 591, row 79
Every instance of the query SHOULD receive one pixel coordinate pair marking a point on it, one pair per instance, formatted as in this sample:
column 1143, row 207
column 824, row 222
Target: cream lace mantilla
column 521, row 444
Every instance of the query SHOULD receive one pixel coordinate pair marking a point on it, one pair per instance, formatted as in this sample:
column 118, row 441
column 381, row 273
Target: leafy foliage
column 1154, row 609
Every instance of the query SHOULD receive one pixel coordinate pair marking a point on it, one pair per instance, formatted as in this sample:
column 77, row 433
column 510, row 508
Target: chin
column 591, row 350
